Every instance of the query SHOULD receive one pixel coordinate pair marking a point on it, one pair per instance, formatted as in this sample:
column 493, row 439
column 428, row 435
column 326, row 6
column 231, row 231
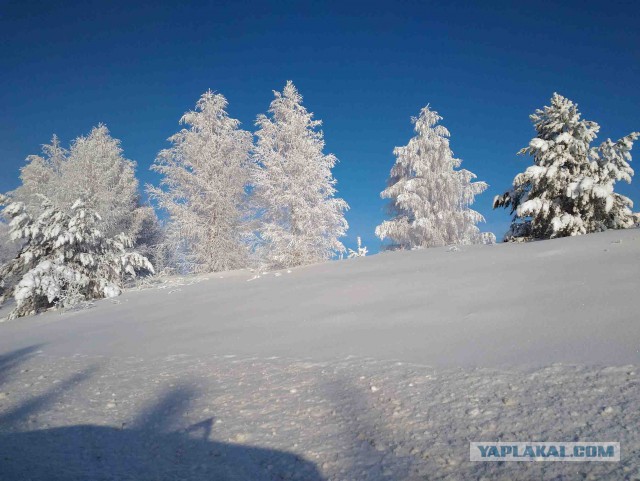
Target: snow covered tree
column 360, row 252
column 569, row 189
column 300, row 219
column 64, row 258
column 97, row 172
column 205, row 174
column 429, row 198
column 93, row 169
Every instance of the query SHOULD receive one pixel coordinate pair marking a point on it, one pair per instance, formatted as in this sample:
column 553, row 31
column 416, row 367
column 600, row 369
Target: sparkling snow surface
column 377, row 368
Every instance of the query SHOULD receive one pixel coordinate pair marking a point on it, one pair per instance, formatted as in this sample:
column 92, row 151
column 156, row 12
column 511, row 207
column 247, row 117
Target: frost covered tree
column 97, row 172
column 362, row 251
column 429, row 198
column 569, row 189
column 93, row 169
column 300, row 219
column 205, row 174
column 64, row 258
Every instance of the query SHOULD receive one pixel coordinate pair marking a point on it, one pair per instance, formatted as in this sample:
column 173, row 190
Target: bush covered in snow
column 64, row 258
column 569, row 189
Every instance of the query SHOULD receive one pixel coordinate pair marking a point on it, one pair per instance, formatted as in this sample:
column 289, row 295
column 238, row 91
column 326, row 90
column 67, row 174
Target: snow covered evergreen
column 300, row 219
column 569, row 189
column 64, row 258
column 205, row 174
column 429, row 198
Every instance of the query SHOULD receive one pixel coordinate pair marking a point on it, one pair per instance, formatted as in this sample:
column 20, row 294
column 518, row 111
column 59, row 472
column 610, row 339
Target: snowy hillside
column 381, row 368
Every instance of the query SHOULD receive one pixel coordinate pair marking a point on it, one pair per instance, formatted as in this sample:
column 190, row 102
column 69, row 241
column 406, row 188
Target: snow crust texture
column 228, row 418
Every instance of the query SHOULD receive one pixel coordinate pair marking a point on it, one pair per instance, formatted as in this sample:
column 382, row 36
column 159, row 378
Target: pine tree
column 205, row 174
column 429, row 198
column 64, row 259
column 300, row 218
column 569, row 189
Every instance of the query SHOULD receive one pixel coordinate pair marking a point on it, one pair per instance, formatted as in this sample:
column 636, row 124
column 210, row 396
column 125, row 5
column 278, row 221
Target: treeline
column 233, row 199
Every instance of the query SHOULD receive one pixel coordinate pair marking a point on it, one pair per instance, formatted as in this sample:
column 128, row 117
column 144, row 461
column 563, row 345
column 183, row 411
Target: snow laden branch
column 299, row 218
column 429, row 198
column 65, row 258
column 205, row 174
column 570, row 188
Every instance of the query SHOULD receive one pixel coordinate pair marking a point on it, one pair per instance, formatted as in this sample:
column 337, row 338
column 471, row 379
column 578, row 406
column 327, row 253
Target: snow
column 382, row 367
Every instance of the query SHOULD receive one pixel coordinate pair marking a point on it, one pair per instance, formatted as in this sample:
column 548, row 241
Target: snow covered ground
column 378, row 368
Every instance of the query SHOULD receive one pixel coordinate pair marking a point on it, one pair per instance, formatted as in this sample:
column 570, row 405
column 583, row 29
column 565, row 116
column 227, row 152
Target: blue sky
column 364, row 68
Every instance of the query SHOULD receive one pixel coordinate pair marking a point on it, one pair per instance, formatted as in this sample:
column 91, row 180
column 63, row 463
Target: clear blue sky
column 364, row 68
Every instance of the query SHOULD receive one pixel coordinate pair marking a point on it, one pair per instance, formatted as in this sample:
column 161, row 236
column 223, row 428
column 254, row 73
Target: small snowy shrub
column 361, row 252
column 64, row 258
column 569, row 189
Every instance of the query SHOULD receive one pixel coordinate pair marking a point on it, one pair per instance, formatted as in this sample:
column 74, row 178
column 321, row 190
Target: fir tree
column 205, row 174
column 429, row 198
column 300, row 219
column 64, row 259
column 569, row 189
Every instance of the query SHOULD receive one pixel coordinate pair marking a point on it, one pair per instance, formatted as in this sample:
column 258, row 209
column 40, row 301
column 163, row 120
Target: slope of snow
column 380, row 368
column 566, row 300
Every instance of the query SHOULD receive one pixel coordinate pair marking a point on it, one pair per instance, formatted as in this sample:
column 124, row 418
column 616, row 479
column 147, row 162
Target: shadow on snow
column 145, row 450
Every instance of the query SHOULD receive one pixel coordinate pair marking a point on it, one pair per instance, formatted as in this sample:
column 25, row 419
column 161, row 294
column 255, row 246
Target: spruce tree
column 64, row 258
column 570, row 188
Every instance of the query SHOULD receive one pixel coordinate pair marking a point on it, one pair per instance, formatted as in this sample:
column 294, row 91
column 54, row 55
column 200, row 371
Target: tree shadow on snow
column 11, row 361
column 150, row 448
